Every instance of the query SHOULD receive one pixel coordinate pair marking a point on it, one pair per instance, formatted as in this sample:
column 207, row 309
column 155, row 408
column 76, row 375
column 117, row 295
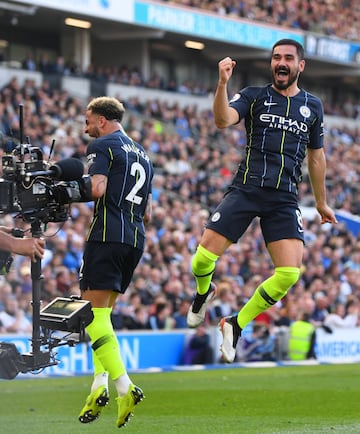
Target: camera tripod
column 70, row 315
column 37, row 358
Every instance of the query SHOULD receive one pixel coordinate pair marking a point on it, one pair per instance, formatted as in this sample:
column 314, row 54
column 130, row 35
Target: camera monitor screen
column 63, row 307
column 66, row 314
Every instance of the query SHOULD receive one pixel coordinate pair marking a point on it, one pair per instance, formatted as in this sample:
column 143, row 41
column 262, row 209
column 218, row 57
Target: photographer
column 32, row 247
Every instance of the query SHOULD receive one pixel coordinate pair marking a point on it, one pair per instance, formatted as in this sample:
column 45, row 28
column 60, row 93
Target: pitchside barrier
column 149, row 350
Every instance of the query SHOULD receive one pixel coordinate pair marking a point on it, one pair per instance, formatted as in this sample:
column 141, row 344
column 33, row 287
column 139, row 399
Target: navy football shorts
column 108, row 266
column 280, row 216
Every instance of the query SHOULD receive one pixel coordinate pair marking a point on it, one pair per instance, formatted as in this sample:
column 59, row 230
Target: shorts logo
column 299, row 221
column 305, row 111
column 216, row 217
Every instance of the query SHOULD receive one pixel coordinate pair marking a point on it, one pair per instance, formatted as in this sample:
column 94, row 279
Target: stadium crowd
column 328, row 17
column 344, row 105
column 194, row 163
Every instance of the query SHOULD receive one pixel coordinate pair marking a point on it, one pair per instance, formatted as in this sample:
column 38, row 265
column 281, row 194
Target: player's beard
column 291, row 78
column 94, row 132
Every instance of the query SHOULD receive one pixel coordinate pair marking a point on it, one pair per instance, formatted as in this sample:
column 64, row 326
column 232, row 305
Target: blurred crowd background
column 339, row 18
column 194, row 163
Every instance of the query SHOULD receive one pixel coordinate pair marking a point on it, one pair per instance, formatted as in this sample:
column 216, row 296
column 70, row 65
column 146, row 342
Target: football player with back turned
column 121, row 175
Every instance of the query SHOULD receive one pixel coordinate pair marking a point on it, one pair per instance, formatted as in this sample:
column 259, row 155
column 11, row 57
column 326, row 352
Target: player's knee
column 287, row 277
column 196, row 262
column 202, row 261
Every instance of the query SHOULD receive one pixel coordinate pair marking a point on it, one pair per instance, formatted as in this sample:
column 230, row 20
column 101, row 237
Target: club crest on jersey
column 216, row 217
column 305, row 111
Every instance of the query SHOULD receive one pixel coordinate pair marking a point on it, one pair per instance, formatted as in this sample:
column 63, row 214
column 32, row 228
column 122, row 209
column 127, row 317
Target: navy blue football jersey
column 119, row 213
column 279, row 129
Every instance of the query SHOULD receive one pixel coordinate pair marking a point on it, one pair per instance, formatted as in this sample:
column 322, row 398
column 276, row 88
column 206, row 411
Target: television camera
column 40, row 192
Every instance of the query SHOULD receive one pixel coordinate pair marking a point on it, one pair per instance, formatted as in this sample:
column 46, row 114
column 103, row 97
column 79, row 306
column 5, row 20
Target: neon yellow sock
column 98, row 367
column 203, row 267
column 268, row 293
column 105, row 344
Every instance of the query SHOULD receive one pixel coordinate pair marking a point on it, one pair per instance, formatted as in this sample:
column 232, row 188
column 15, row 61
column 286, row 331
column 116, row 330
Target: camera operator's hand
column 33, row 247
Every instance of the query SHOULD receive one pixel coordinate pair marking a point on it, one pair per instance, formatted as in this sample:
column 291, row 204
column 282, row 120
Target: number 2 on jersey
column 139, row 173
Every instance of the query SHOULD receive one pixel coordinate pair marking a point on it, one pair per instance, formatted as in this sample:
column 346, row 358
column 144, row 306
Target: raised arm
column 224, row 115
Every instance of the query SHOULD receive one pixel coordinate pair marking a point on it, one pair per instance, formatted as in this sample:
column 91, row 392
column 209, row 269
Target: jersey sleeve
column 98, row 159
column 242, row 101
column 316, row 138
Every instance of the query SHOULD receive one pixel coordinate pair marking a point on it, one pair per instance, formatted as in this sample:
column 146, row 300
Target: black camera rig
column 40, row 192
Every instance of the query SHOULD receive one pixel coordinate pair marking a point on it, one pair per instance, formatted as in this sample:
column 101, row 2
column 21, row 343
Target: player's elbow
column 97, row 191
column 221, row 124
column 224, row 119
column 98, row 186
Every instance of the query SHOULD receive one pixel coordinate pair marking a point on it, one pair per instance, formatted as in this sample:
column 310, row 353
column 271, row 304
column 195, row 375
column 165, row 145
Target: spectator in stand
column 56, row 112
column 49, row 290
column 259, row 346
column 224, row 305
column 180, row 315
column 162, row 318
column 154, row 281
column 321, row 310
column 330, row 18
column 63, row 280
column 142, row 289
column 6, row 291
column 26, row 285
column 199, row 350
column 60, row 66
column 45, row 65
column 287, row 314
column 123, row 311
column 13, row 319
column 29, row 62
column 139, row 320
column 73, row 256
column 344, row 316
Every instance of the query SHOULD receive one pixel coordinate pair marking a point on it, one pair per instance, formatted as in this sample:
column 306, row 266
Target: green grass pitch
column 291, row 399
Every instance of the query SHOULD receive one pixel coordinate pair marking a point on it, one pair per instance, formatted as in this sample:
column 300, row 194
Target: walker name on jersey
column 132, row 148
column 283, row 123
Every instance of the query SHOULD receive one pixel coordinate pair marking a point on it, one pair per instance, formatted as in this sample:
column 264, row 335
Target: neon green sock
column 98, row 367
column 203, row 267
column 105, row 344
column 268, row 293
